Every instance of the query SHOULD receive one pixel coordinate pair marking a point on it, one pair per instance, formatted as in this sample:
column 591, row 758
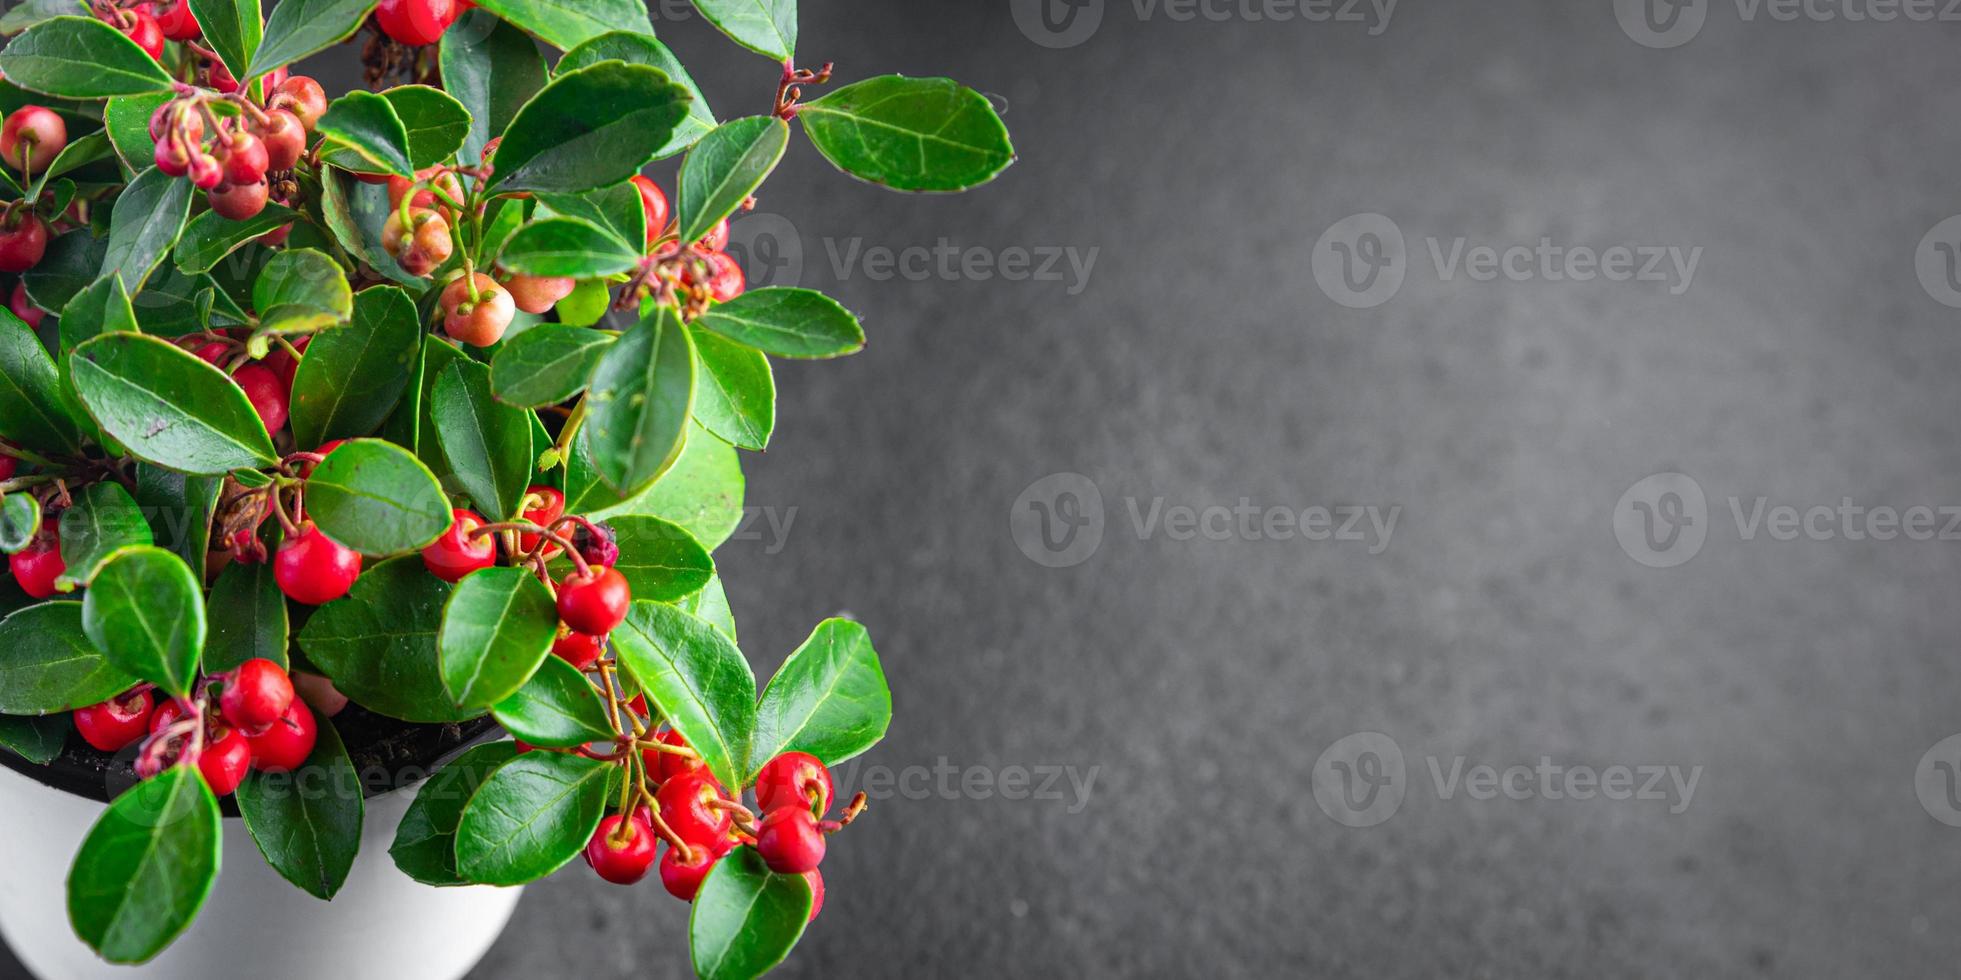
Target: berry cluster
column 247, row 143
column 703, row 270
column 244, row 719
column 592, row 599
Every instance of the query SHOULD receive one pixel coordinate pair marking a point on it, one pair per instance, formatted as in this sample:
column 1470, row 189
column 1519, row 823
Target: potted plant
column 338, row 435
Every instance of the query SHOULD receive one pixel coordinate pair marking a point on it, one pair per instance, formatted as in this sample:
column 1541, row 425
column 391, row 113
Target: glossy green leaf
column 211, row 236
column 566, row 23
column 145, row 612
column 486, row 442
column 126, row 119
column 73, row 260
column 498, row 627
column 369, row 125
column 247, row 618
column 307, row 823
column 590, row 128
column 353, row 376
column 640, row 49
column 724, row 169
column 787, row 323
column 641, row 397
column 568, row 247
column 20, row 521
column 146, row 867
column 355, row 212
column 377, row 498
column 702, row 492
column 179, row 509
column 557, row 708
column 80, row 152
column 618, row 209
column 168, row 407
column 21, row 16
column 698, row 680
column 910, row 134
column 767, row 27
column 300, row 291
column 546, row 364
column 30, row 392
column 711, row 603
column 378, row 645
column 492, row 68
column 746, row 918
column 531, row 817
column 437, row 356
column 660, row 559
column 144, row 223
column 103, row 307
column 232, row 28
column 830, row 699
column 298, row 28
column 436, row 123
column 425, row 841
column 80, row 58
column 38, row 740
column 104, row 520
column 47, row 663
column 735, row 392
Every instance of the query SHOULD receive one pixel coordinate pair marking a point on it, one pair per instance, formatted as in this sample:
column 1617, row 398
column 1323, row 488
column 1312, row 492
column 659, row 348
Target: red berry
column 277, row 236
column 684, row 807
column 816, row 879
column 789, row 841
column 285, row 746
column 538, row 294
column 177, row 22
column 326, row 449
column 455, row 554
column 257, row 694
column 238, row 201
column 284, row 137
column 543, row 505
column 267, row 393
column 220, row 78
column 22, row 306
column 623, row 856
column 313, row 569
column 717, row 237
column 319, row 693
column 725, row 278
column 146, row 32
column 794, row 779
column 416, row 22
column 206, row 173
column 117, row 723
column 226, row 760
column 8, row 465
column 167, row 714
column 39, row 565
column 481, row 322
column 214, row 353
column 657, row 207
column 595, row 603
column 669, row 765
column 32, row 137
column 303, row 97
column 22, row 245
column 682, row 874
column 246, row 160
column 287, row 367
column 580, row 649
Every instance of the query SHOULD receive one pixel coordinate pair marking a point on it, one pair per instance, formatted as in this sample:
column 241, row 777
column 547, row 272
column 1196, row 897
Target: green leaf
column 546, row 364
column 767, row 27
column 618, row 209
column 168, row 407
column 179, row 509
column 47, row 664
column 211, row 236
column 735, row 396
column 143, row 224
column 146, row 867
column 30, row 392
column 425, row 841
column 702, row 492
column 694, row 674
column 641, row 397
column 436, row 123
column 355, row 212
column 910, row 134
column 20, row 521
column 567, row 247
column 531, row 817
column 377, row 498
column 787, row 323
column 301, row 290
column 101, row 308
column 232, row 28
column 746, row 918
column 175, row 303
column 145, row 612
column 38, row 740
column 830, row 699
column 486, row 442
column 492, row 68
column 248, row 618
column 103, row 521
column 73, row 260
column 590, row 128
column 353, row 376
column 564, row 24
column 725, row 168
column 298, row 28
column 660, row 559
column 307, row 823
column 369, row 125
column 126, row 118
column 80, row 58
column 378, row 645
column 639, row 49
column 557, row 708
column 31, row 12
column 711, row 603
column 80, row 152
column 498, row 627
column 437, row 356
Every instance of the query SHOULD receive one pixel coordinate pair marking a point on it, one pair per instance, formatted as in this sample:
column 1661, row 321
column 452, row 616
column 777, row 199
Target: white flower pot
column 256, row 925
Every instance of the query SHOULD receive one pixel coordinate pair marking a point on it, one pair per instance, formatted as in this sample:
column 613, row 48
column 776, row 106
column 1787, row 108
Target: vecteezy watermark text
column 945, row 261
column 1664, row 520
column 1068, row 23
column 1673, row 23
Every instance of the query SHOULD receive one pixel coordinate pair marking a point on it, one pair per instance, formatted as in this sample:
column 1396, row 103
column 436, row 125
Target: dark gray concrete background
column 1200, row 679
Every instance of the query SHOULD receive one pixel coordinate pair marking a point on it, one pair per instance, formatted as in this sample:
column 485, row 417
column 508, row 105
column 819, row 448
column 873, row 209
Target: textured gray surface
column 1201, row 678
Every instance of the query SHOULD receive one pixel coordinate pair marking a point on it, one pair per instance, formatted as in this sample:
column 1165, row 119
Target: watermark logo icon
column 1662, row 520
column 1058, row 521
column 1661, row 23
column 1360, row 261
column 1937, row 781
column 1938, row 262
column 1058, row 24
column 768, row 247
column 1360, row 780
